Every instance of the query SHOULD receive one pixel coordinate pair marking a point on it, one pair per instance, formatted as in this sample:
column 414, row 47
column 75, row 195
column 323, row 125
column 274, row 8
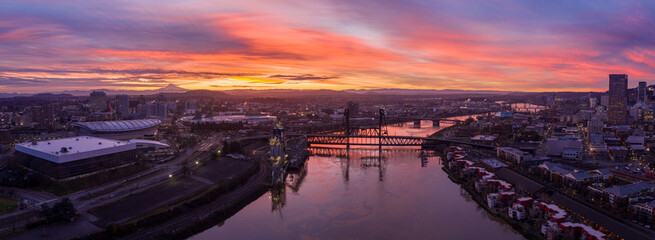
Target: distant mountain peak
column 172, row 88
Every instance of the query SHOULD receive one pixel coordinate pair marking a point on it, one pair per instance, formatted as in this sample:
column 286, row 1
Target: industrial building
column 558, row 146
column 119, row 130
column 68, row 158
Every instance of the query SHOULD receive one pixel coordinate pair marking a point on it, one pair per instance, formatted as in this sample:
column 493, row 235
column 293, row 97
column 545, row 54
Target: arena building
column 120, row 130
column 68, row 158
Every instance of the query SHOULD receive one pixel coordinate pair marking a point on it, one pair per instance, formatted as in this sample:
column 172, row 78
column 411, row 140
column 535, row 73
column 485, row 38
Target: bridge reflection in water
column 365, row 158
column 341, row 199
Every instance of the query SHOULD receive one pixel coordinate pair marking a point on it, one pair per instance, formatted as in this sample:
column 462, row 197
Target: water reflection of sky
column 426, row 128
column 410, row 203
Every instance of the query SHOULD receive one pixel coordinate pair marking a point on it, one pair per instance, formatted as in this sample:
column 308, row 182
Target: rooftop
column 618, row 148
column 74, row 148
column 493, row 163
column 564, row 138
column 484, row 138
column 149, row 142
column 559, row 212
column 627, row 190
column 578, row 176
column 118, row 126
column 562, row 169
column 503, row 114
column 588, row 229
column 511, row 150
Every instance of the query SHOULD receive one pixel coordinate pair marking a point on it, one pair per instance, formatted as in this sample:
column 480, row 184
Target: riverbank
column 519, row 227
column 220, row 199
column 216, row 212
column 440, row 133
column 501, row 196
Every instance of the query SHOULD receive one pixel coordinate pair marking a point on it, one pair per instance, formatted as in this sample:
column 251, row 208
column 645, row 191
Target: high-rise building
column 641, row 92
column 123, row 105
column 43, row 115
column 98, row 101
column 605, row 100
column 593, row 102
column 632, row 96
column 157, row 109
column 353, row 108
column 171, row 106
column 191, row 106
column 618, row 99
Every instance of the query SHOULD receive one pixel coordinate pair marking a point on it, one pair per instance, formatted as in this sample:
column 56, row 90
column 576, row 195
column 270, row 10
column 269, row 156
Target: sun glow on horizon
column 323, row 45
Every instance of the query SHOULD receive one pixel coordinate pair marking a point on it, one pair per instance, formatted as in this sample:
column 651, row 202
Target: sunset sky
column 325, row 44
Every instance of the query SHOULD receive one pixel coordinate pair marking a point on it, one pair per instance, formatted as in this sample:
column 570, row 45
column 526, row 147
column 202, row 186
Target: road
column 84, row 200
column 160, row 173
column 624, row 231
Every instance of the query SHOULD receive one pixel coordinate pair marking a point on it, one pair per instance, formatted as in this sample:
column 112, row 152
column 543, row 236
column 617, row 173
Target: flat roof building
column 68, row 158
column 492, row 164
column 513, row 155
column 556, row 145
column 484, row 139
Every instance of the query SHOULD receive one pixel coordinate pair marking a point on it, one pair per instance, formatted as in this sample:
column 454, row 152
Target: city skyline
column 327, row 119
column 518, row 46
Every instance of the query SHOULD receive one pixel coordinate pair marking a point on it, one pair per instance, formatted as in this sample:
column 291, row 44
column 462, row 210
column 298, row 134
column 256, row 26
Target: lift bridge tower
column 278, row 156
column 351, row 129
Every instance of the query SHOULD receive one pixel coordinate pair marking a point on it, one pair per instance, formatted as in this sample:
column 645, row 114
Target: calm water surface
column 366, row 195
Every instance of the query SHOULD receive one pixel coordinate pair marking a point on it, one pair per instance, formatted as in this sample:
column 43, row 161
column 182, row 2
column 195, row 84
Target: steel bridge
column 385, row 140
column 334, row 139
column 363, row 152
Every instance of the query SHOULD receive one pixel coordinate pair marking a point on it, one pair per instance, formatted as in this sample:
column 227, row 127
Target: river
column 365, row 195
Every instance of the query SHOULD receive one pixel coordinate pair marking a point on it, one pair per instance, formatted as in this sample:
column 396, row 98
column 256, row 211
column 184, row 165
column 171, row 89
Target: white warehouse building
column 72, row 157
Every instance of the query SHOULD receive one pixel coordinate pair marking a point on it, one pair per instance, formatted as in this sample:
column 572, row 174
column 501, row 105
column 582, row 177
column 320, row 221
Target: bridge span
column 365, row 152
column 384, row 140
